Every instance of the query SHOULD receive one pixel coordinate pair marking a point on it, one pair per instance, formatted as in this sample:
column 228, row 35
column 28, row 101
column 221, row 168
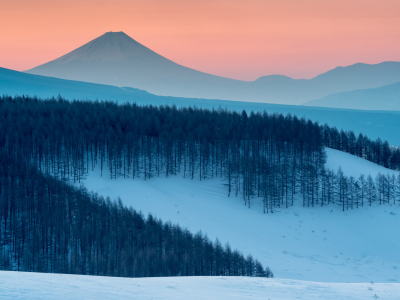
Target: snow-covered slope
column 354, row 166
column 16, row 286
column 317, row 244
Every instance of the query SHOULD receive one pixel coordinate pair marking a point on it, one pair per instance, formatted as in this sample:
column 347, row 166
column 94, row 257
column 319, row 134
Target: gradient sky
column 242, row 39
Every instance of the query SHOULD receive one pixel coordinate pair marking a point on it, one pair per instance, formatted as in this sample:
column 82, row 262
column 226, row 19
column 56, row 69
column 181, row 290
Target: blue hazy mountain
column 19, row 83
column 116, row 59
column 373, row 123
column 382, row 98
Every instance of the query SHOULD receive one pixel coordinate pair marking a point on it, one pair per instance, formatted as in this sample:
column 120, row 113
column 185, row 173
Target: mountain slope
column 116, row 59
column 65, row 287
column 372, row 123
column 382, row 98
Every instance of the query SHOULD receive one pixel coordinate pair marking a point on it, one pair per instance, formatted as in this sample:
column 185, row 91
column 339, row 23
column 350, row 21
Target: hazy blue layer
column 383, row 98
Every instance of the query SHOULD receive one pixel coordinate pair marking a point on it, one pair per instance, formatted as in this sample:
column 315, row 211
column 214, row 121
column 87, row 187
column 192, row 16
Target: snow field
column 316, row 244
column 34, row 286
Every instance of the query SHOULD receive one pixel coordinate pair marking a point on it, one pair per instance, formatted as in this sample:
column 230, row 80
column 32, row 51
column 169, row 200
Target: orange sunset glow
column 231, row 38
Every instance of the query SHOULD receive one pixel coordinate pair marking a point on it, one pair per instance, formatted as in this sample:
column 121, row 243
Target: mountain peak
column 116, row 34
column 273, row 78
column 111, row 46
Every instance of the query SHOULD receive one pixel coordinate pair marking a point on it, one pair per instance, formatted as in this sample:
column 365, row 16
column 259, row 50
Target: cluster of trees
column 47, row 225
column 350, row 192
column 270, row 156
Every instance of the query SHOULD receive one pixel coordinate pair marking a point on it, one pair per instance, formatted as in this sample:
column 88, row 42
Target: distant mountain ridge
column 116, row 59
column 383, row 98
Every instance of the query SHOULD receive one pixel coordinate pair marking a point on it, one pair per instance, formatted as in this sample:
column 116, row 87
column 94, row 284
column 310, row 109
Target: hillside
column 142, row 148
column 372, row 123
column 315, row 244
column 116, row 59
column 20, row 285
column 382, row 98
column 352, row 165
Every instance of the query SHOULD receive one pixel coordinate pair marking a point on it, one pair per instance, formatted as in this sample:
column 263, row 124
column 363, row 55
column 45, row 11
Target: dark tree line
column 256, row 155
column 270, row 156
column 47, row 225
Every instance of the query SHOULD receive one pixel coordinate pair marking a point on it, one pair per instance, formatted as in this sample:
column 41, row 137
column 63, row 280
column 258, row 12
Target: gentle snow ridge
column 14, row 285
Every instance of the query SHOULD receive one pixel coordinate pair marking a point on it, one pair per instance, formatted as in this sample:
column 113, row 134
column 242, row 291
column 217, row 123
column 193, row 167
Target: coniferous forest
column 49, row 225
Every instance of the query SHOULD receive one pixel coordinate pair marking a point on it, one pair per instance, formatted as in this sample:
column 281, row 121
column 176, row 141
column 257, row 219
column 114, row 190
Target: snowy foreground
column 320, row 244
column 14, row 285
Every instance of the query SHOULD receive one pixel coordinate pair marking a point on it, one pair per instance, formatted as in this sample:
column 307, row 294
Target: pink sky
column 231, row 38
